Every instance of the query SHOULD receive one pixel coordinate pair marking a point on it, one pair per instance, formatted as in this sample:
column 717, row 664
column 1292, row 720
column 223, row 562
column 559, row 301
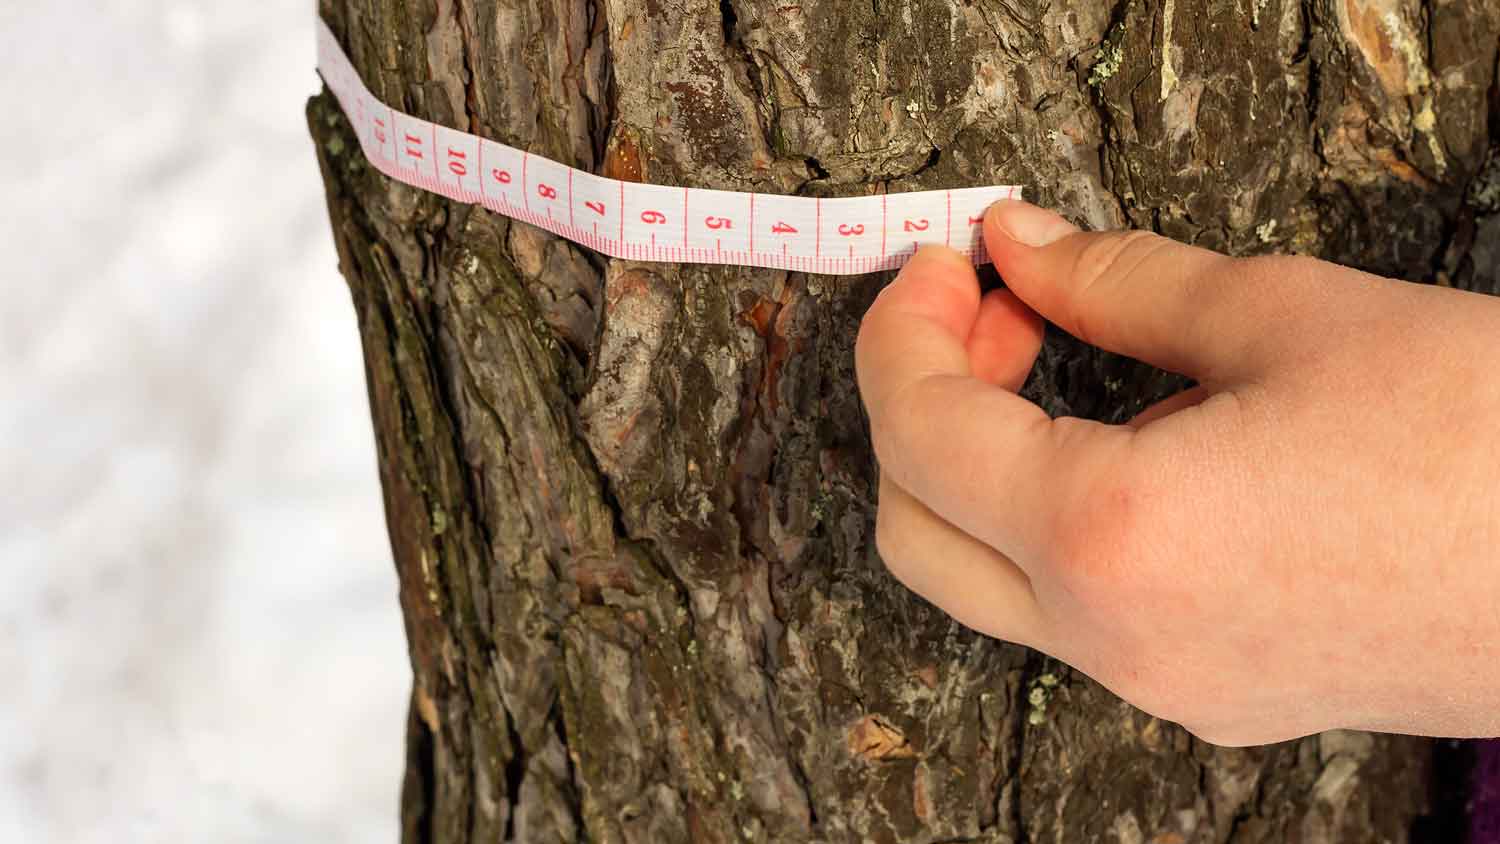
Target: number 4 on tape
column 656, row 222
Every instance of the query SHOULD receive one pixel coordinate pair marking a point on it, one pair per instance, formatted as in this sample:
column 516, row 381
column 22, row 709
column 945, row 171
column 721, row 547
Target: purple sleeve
column 1485, row 804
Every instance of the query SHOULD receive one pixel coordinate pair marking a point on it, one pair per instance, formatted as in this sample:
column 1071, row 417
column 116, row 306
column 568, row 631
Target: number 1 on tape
column 644, row 222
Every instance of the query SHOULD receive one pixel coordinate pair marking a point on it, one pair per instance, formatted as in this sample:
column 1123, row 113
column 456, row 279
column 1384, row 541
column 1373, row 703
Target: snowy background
column 199, row 634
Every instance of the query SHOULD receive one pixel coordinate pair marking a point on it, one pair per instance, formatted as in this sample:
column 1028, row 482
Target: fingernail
column 1028, row 224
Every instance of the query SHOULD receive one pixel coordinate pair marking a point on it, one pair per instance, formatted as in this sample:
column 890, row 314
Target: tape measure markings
column 638, row 216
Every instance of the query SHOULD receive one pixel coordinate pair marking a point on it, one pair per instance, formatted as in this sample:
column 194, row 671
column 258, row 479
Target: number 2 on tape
column 644, row 222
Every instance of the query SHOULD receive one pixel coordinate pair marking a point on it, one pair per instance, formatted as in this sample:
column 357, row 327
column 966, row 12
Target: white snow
column 199, row 633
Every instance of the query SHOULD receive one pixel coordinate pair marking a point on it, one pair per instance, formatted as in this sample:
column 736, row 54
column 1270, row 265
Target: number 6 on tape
column 642, row 222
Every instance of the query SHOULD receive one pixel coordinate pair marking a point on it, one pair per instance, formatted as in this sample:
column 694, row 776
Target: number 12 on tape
column 645, row 222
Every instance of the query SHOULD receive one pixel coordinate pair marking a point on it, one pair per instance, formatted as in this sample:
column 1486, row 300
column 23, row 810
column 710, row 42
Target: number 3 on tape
column 643, row 222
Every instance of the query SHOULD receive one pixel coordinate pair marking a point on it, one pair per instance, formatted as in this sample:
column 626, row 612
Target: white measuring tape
column 642, row 222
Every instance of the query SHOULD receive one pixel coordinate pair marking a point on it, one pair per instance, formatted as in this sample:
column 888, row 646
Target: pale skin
column 1308, row 540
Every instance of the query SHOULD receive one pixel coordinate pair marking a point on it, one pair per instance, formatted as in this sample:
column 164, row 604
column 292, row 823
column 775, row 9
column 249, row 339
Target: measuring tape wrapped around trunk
column 642, row 222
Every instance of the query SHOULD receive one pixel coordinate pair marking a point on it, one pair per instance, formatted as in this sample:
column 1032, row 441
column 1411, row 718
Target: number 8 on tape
column 642, row 222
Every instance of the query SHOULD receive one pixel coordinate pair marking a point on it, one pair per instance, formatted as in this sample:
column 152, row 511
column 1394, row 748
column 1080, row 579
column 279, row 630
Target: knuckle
column 1106, row 529
column 880, row 443
column 1112, row 256
column 1221, row 735
column 893, row 540
column 869, row 327
column 885, row 442
column 1146, row 693
column 1166, row 683
column 1148, row 683
column 1114, row 253
column 865, row 342
column 896, row 428
column 1110, row 252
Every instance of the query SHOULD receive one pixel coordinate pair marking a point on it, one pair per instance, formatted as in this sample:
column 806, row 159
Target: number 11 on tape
column 643, row 222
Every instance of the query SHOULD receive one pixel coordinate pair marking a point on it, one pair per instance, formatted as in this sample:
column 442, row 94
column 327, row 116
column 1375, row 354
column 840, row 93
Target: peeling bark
column 632, row 505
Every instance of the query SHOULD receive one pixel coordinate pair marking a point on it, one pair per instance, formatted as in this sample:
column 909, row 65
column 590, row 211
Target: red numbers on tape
column 456, row 164
column 872, row 232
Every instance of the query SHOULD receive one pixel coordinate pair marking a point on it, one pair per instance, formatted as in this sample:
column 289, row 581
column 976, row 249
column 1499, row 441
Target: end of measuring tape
column 643, row 222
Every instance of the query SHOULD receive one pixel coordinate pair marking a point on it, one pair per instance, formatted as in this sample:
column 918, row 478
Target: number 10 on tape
column 645, row 222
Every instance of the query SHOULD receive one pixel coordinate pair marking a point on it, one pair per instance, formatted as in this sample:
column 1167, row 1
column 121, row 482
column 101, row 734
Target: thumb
column 1178, row 307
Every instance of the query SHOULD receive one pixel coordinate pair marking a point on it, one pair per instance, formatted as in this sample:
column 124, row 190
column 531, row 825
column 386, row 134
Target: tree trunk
column 632, row 504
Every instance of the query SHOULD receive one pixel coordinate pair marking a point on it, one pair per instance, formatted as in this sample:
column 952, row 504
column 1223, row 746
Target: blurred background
column 199, row 633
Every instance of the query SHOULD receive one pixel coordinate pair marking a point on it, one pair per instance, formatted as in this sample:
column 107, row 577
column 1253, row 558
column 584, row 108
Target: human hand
column 1310, row 539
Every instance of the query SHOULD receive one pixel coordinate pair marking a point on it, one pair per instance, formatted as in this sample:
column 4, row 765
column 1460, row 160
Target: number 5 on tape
column 644, row 222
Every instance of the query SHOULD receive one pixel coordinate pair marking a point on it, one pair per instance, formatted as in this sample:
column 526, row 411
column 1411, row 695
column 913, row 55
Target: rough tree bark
column 632, row 505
